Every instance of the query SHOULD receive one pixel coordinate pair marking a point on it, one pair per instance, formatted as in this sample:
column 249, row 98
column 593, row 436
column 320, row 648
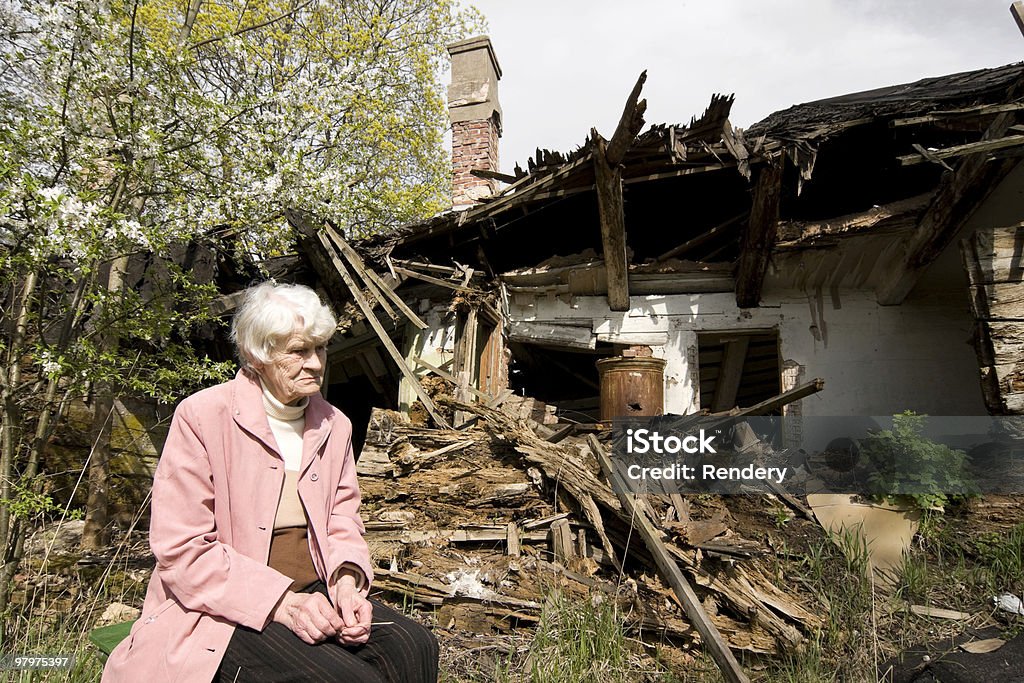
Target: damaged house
column 871, row 240
column 868, row 244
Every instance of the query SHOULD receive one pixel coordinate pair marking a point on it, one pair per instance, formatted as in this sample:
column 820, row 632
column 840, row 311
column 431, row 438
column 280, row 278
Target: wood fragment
column 637, row 516
column 790, row 500
column 947, row 114
column 513, row 547
column 938, row 613
column 760, row 236
column 561, row 542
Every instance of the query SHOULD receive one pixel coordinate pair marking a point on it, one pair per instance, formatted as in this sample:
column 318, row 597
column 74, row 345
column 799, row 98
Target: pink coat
column 215, row 496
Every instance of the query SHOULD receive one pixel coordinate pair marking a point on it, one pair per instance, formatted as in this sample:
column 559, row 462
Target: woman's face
column 295, row 370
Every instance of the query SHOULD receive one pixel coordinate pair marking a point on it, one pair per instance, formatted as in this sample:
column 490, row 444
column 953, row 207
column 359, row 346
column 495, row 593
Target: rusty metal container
column 631, row 387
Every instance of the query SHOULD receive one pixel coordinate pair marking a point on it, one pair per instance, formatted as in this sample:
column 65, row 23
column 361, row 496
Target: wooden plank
column 374, row 280
column 937, row 155
column 561, row 542
column 957, row 197
column 761, row 235
column 636, row 515
column 552, row 335
column 938, row 613
column 493, row 175
column 945, row 115
column 466, row 363
column 385, row 339
column 608, row 183
column 513, row 547
column 901, row 214
column 436, row 281
column 731, row 373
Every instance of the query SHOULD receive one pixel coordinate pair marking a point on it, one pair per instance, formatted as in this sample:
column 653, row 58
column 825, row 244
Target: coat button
column 314, row 476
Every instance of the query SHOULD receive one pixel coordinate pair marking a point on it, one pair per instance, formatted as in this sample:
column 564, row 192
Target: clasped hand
column 313, row 619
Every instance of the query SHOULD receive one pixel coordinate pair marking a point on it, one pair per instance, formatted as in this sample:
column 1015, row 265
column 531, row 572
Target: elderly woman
column 262, row 572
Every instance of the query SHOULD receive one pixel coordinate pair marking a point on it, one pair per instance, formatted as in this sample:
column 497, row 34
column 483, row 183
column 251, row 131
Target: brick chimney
column 476, row 118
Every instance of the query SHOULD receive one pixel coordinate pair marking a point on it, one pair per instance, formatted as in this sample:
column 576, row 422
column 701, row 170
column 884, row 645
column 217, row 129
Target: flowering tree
column 129, row 128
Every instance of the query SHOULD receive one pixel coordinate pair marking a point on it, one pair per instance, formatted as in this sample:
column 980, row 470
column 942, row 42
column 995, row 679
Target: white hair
column 268, row 316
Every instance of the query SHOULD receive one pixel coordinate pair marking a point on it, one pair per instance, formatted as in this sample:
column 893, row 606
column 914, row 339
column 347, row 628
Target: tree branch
column 254, row 27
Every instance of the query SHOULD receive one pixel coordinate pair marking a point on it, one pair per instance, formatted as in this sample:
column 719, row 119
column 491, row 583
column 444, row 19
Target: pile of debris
column 479, row 521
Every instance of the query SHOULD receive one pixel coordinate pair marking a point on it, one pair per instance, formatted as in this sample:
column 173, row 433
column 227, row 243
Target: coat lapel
column 319, row 417
column 248, row 412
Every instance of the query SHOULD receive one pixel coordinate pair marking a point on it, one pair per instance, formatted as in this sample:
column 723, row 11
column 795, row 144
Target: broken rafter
column 785, row 398
column 630, row 124
column 377, row 286
column 900, row 214
column 731, row 373
column 958, row 195
column 938, row 116
column 436, row 281
column 385, row 339
column 761, row 235
column 360, row 270
column 635, row 514
column 608, row 182
column 493, row 175
column 937, row 155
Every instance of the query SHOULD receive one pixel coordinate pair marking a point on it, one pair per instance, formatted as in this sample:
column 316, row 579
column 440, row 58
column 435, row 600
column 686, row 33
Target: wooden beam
column 635, row 513
column 630, row 124
column 436, row 281
column 1017, row 10
column 732, row 372
column 373, row 281
column 385, row 338
column 761, row 235
column 608, row 158
column 785, row 398
column 549, row 334
column 613, row 225
column 937, row 155
column 958, row 195
column 493, row 175
column 945, row 115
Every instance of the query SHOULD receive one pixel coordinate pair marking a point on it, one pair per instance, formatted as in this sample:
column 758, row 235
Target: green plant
column 909, row 467
column 1002, row 556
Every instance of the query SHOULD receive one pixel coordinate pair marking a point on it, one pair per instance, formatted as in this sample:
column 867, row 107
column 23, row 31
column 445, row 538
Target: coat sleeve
column 203, row 573
column 346, row 545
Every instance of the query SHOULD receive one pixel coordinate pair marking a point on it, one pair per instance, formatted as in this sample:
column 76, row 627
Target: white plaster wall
column 875, row 360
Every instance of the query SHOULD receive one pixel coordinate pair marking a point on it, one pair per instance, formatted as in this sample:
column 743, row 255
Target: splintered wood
column 482, row 522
